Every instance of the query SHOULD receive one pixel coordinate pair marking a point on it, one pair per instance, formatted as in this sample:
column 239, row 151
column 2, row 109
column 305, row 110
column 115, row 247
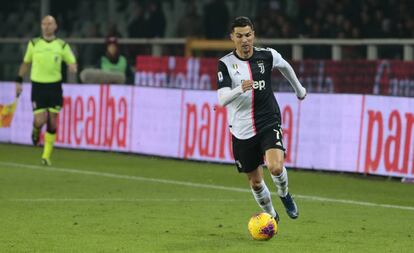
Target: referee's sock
column 48, row 145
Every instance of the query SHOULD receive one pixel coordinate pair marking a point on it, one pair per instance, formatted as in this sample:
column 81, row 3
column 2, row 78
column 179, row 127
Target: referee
column 45, row 54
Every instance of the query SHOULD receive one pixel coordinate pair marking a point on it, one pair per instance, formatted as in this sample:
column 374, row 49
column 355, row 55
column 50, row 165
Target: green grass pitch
column 110, row 202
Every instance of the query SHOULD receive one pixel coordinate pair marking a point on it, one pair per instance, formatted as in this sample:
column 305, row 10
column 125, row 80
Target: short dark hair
column 241, row 21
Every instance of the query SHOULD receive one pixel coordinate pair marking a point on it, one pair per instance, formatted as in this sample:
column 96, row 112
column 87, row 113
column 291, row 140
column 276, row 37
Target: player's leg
column 248, row 157
column 274, row 162
column 50, row 137
column 278, row 172
column 261, row 193
column 272, row 144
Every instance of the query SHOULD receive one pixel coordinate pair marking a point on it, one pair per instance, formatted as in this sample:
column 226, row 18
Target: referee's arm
column 24, row 67
column 73, row 67
column 70, row 59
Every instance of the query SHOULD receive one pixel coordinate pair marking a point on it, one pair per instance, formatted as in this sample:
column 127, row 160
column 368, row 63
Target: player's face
column 48, row 26
column 243, row 38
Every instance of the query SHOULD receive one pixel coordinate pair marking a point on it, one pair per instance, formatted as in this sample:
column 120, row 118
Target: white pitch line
column 354, row 202
column 123, row 200
column 197, row 185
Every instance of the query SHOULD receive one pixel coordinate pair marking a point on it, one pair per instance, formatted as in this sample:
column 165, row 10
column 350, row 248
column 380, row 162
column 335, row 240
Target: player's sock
column 48, row 146
column 281, row 182
column 262, row 197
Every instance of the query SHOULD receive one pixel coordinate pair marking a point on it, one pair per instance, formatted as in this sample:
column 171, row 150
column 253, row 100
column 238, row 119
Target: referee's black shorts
column 47, row 97
column 249, row 153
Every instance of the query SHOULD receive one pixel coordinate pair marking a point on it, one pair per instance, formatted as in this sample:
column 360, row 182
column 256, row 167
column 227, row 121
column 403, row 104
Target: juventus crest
column 261, row 66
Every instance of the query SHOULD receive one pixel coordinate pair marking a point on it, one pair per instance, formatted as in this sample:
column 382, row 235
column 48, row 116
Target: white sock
column 262, row 197
column 281, row 182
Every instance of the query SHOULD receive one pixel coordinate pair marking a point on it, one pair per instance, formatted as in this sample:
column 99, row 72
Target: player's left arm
column 287, row 71
column 69, row 58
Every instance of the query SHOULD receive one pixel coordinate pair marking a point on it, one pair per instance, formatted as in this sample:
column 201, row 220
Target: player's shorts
column 249, row 153
column 47, row 97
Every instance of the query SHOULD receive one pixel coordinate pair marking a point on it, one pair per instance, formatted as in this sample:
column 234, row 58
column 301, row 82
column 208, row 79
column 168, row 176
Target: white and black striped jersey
column 255, row 110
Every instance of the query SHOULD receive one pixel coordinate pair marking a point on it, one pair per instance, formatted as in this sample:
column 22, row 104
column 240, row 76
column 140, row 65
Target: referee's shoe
column 46, row 162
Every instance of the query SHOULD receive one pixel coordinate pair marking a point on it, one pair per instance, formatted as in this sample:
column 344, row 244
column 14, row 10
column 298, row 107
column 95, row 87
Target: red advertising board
column 334, row 132
column 176, row 72
column 395, row 78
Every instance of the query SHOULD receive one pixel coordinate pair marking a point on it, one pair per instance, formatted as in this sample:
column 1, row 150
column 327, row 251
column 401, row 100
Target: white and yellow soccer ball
column 262, row 226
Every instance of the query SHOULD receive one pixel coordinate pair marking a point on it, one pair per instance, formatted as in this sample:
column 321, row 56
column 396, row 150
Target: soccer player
column 244, row 77
column 45, row 54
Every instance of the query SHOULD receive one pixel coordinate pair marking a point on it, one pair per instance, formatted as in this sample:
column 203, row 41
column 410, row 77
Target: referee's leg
column 39, row 119
column 50, row 137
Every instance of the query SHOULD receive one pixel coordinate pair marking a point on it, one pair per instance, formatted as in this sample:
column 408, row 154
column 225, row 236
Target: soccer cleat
column 46, row 162
column 290, row 206
column 35, row 136
column 276, row 218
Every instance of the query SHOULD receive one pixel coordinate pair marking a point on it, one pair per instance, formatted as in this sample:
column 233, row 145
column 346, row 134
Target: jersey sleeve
column 223, row 77
column 278, row 60
column 68, row 55
column 28, row 56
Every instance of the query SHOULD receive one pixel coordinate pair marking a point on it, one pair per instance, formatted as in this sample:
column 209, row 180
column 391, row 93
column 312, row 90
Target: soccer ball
column 262, row 226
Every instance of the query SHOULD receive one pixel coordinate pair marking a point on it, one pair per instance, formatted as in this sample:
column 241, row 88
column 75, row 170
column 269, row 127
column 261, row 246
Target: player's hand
column 302, row 94
column 19, row 89
column 247, row 85
column 302, row 98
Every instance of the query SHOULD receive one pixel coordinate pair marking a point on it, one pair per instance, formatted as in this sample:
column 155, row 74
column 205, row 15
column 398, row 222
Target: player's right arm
column 24, row 67
column 225, row 93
